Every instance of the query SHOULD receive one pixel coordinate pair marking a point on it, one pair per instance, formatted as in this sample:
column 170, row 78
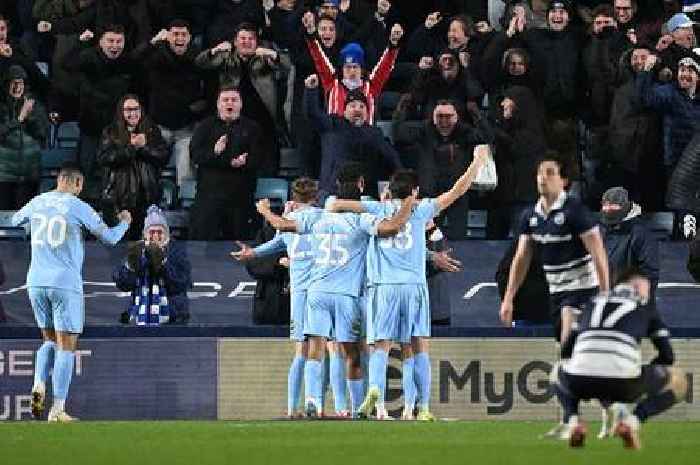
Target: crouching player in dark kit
column 605, row 361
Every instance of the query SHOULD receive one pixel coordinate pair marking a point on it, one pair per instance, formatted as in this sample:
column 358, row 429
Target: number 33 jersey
column 399, row 259
column 57, row 220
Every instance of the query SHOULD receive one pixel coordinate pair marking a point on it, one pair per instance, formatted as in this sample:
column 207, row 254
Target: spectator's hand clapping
column 5, row 50
column 650, row 62
column 664, row 42
column 631, row 36
column 425, row 63
column 220, row 145
column 138, row 140
column 43, row 26
column 160, row 37
column 86, row 35
column 464, row 59
column 344, row 5
column 311, row 82
column 483, row 27
column 309, row 22
column 396, row 34
column 383, row 7
column 26, row 110
column 239, row 161
column 432, row 19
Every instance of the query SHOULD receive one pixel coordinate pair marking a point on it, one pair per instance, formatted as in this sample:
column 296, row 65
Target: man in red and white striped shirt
column 353, row 59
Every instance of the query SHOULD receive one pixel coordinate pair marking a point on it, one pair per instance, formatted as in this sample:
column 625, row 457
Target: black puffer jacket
column 684, row 187
column 134, row 173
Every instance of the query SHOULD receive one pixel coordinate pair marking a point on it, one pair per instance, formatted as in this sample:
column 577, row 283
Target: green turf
column 331, row 443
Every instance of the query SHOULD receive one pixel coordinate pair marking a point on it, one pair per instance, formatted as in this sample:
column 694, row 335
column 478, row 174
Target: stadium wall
column 245, row 378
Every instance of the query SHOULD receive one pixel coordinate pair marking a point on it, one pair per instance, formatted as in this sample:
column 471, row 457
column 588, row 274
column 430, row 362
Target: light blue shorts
column 58, row 309
column 333, row 315
column 400, row 312
column 298, row 316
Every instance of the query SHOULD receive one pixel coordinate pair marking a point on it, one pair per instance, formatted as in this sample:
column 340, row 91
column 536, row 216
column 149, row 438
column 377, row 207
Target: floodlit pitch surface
column 332, row 442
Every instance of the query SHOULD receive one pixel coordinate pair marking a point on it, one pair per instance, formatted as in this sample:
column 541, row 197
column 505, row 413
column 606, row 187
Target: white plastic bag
column 486, row 178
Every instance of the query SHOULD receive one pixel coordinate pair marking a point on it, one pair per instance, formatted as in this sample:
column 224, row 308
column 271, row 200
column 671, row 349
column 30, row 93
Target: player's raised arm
column 481, row 153
column 92, row 221
column 277, row 222
column 339, row 205
column 246, row 253
column 518, row 271
column 392, row 226
column 594, row 244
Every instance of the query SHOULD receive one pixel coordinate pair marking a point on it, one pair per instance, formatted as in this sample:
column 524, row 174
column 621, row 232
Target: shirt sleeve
column 23, row 215
column 92, row 221
column 524, row 226
column 373, row 207
column 581, row 220
column 271, row 247
column 369, row 223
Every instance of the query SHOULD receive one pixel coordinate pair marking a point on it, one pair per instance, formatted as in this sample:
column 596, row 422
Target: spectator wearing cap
column 678, row 103
column 627, row 240
column 440, row 149
column 677, row 43
column 23, row 131
column 253, row 70
column 635, row 134
column 157, row 273
column 442, row 79
column 349, row 139
column 556, row 53
column 337, row 83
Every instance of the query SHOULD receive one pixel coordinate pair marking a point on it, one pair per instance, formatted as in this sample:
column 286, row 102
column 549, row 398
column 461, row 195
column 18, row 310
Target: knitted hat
column 616, row 196
column 690, row 63
column 352, row 54
column 155, row 217
column 677, row 21
column 355, row 95
column 558, row 4
column 334, row 2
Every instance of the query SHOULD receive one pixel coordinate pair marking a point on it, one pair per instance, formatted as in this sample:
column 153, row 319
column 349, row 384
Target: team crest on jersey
column 559, row 219
column 533, row 221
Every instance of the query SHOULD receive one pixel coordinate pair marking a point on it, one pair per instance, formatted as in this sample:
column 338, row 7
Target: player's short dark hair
column 347, row 180
column 228, row 88
column 402, row 183
column 179, row 23
column 113, row 28
column 553, row 156
column 304, row 190
column 70, row 170
column 246, row 26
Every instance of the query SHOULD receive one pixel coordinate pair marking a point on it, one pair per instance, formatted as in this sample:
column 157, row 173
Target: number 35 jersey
column 340, row 247
column 57, row 220
column 399, row 259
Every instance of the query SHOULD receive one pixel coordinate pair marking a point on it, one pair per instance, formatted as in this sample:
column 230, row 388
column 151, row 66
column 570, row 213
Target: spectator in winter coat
column 23, row 131
column 176, row 98
column 133, row 152
column 347, row 139
column 678, row 43
column 694, row 260
column 158, row 274
column 17, row 53
column 628, row 241
column 225, row 148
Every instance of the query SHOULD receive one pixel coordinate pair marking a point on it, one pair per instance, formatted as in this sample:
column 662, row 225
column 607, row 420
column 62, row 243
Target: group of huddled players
column 357, row 277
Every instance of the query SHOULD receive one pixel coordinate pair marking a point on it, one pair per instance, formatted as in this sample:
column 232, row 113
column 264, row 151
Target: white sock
column 39, row 386
column 59, row 405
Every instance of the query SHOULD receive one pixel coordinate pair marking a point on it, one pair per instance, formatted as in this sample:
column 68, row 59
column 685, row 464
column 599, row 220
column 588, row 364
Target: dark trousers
column 221, row 218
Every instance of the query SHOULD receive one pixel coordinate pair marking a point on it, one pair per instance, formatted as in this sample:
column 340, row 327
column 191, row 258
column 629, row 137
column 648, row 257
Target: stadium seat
column 476, row 224
column 7, row 231
column 660, row 224
column 272, row 188
column 290, row 163
column 188, row 191
column 169, row 197
column 65, row 135
column 178, row 222
column 386, row 128
column 52, row 159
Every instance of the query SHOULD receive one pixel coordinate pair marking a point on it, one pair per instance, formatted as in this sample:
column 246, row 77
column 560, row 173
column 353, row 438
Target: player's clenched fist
column 124, row 216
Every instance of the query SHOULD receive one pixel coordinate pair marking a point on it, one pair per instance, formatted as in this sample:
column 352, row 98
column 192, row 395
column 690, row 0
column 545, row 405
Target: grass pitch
column 332, row 443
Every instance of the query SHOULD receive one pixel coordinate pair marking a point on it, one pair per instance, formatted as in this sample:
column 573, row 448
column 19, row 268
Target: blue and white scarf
column 149, row 306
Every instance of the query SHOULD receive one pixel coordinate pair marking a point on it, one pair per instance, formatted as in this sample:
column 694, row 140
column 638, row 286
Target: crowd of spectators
column 221, row 86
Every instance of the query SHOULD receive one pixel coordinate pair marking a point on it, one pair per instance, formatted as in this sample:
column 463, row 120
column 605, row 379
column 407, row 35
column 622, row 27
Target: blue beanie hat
column 334, row 2
column 352, row 54
column 155, row 216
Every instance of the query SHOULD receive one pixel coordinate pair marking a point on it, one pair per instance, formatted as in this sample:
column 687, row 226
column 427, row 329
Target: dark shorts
column 575, row 299
column 652, row 381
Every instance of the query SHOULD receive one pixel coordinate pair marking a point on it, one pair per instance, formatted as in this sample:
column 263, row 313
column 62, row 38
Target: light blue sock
column 357, row 394
column 408, row 382
column 423, row 378
column 377, row 371
column 337, row 379
column 62, row 373
column 294, row 379
column 44, row 362
column 313, row 370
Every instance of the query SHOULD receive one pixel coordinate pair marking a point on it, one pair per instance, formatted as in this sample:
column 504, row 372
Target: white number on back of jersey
column 49, row 230
column 402, row 241
column 332, row 251
column 625, row 306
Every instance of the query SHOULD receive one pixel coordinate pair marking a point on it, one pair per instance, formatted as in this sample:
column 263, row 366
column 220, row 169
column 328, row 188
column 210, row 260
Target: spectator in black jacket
column 105, row 77
column 694, row 260
column 349, row 139
column 133, row 152
column 176, row 93
column 628, row 241
column 225, row 149
column 15, row 53
column 158, row 274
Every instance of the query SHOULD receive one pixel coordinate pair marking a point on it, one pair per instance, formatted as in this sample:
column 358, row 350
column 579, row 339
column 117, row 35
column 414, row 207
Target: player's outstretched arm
column 518, row 271
column 594, row 244
column 392, row 226
column 481, row 153
column 92, row 221
column 338, row 206
column 276, row 221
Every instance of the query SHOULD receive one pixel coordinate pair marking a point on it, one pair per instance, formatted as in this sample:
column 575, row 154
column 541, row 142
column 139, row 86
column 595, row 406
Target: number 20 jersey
column 57, row 220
